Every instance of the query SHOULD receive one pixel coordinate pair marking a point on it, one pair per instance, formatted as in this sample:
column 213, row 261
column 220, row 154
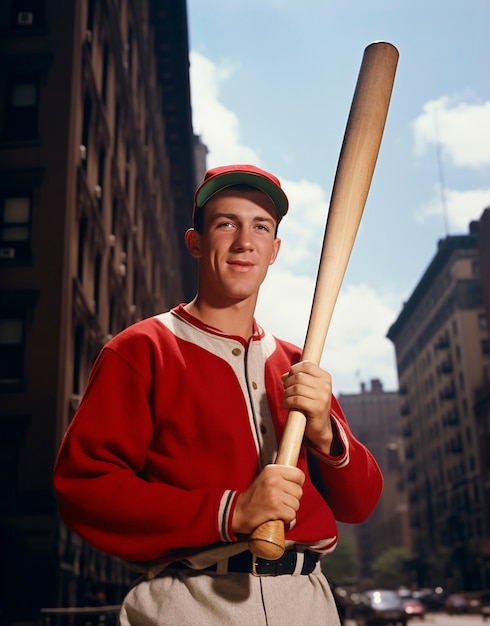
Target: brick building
column 374, row 419
column 96, row 188
column 442, row 344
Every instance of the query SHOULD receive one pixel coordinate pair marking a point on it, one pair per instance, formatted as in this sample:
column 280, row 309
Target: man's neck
column 236, row 319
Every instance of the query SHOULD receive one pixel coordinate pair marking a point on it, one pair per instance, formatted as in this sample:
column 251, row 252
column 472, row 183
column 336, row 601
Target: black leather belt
column 247, row 563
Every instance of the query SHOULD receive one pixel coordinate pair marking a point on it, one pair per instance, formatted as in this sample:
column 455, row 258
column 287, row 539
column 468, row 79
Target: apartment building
column 96, row 189
column 374, row 419
column 482, row 403
column 442, row 345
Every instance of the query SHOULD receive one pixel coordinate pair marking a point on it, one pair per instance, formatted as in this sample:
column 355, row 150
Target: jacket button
column 236, row 351
column 254, row 385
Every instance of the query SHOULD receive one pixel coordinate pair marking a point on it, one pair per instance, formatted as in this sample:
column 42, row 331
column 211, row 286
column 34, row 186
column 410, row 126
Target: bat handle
column 267, row 541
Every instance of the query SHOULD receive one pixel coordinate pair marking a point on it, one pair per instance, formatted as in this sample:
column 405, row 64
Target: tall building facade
column 482, row 403
column 374, row 419
column 96, row 189
column 442, row 345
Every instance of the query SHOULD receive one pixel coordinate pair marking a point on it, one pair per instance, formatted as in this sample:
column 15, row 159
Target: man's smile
column 242, row 266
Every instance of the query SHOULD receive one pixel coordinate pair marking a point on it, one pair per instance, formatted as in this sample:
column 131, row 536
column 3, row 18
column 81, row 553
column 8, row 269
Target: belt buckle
column 254, row 569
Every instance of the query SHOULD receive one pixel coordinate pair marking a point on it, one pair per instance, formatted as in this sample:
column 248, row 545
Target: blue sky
column 272, row 83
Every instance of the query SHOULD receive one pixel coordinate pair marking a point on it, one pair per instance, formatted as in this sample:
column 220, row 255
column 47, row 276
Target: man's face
column 236, row 247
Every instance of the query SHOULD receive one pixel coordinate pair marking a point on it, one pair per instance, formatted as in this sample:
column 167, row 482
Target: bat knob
column 267, row 541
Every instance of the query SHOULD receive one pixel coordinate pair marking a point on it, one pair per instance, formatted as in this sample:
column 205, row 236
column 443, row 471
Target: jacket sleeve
column 99, row 476
column 351, row 483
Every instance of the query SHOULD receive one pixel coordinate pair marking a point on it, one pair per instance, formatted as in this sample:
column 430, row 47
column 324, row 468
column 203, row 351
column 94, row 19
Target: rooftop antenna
column 442, row 187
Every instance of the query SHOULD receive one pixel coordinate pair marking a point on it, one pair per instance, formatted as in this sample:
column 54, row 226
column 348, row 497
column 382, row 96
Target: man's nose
column 243, row 239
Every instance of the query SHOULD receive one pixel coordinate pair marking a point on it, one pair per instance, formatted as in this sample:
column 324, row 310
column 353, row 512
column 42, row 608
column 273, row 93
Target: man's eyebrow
column 263, row 218
column 234, row 216
column 220, row 216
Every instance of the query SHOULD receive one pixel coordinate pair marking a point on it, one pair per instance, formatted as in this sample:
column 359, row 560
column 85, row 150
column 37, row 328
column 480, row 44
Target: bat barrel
column 358, row 155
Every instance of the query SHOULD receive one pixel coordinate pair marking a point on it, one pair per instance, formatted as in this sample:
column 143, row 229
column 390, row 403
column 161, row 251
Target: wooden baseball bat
column 355, row 169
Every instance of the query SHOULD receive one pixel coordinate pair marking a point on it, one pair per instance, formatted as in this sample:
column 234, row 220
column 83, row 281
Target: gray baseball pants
column 189, row 598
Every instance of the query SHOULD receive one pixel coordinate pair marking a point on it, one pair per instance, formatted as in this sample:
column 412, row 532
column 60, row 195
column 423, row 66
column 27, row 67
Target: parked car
column 380, row 606
column 413, row 607
column 456, row 604
column 433, row 599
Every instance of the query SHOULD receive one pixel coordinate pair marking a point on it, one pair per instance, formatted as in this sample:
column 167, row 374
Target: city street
column 441, row 619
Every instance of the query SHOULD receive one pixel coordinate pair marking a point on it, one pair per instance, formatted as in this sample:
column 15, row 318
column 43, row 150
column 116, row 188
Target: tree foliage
column 342, row 564
column 389, row 569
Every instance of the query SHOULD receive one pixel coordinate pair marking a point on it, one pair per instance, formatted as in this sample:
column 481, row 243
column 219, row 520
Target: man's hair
column 199, row 215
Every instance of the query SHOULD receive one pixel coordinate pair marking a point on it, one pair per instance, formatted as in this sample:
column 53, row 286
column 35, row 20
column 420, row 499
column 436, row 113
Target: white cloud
column 357, row 336
column 461, row 207
column 303, row 227
column 284, row 304
column 218, row 127
column 356, row 340
column 460, row 128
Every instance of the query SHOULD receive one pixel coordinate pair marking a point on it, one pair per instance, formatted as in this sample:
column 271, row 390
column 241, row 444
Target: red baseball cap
column 219, row 178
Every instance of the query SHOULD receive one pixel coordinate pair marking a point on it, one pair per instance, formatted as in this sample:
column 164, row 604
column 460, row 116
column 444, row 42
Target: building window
column 82, row 237
column 105, row 72
column 127, row 172
column 13, row 429
column 482, row 321
column 112, row 315
column 485, row 347
column 87, row 115
column 97, row 273
column 27, row 14
column 11, row 350
column 461, row 380
column 21, row 107
column 99, row 189
column 77, row 360
column 117, row 121
column 15, row 226
column 129, row 54
column 90, row 16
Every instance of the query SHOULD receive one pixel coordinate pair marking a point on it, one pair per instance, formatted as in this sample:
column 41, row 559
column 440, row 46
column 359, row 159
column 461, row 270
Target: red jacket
column 177, row 419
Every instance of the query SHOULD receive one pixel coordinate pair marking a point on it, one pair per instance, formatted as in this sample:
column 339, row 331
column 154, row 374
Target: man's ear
column 193, row 242
column 275, row 250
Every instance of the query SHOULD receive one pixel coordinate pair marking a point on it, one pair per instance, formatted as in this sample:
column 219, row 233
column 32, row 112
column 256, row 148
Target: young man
column 169, row 460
